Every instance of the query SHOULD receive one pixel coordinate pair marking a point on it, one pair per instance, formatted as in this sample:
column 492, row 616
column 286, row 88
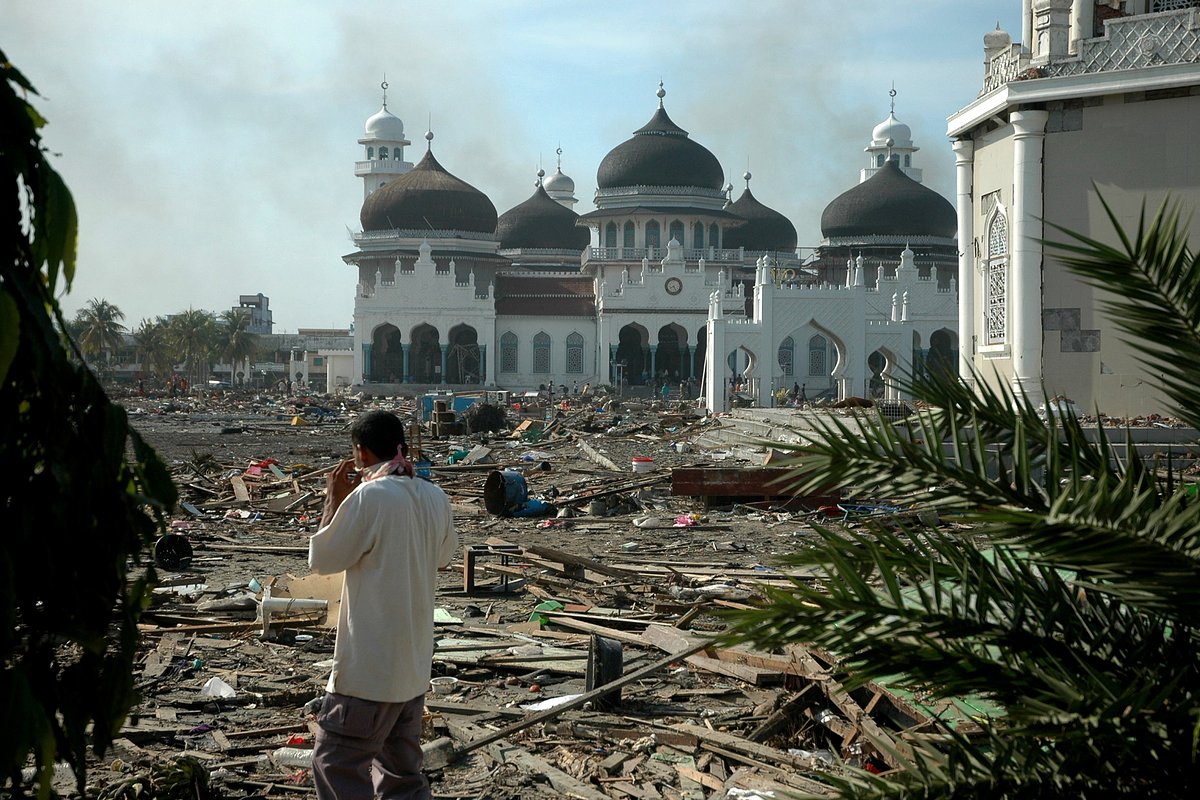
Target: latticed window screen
column 996, row 304
column 1170, row 5
column 787, row 352
column 508, row 352
column 541, row 352
column 817, row 365
column 574, row 353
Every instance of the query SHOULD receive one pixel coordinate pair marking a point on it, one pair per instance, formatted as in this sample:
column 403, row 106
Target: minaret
column 560, row 187
column 383, row 149
column 888, row 137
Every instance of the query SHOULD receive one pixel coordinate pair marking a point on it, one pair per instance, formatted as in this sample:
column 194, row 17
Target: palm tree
column 193, row 333
column 1073, row 602
column 237, row 343
column 99, row 328
column 153, row 338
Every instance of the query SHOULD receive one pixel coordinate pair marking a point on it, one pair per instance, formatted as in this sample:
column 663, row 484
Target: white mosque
column 682, row 281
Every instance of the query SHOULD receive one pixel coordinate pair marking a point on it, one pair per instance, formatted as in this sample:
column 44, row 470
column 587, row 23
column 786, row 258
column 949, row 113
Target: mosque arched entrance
column 877, row 364
column 669, row 355
column 632, row 345
column 697, row 364
column 387, row 355
column 943, row 353
column 463, row 362
column 426, row 358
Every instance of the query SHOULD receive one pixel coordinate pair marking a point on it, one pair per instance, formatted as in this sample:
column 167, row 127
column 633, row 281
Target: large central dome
column 428, row 198
column 660, row 154
column 889, row 203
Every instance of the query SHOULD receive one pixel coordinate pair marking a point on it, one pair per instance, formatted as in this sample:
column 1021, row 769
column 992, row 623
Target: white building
column 450, row 293
column 1097, row 99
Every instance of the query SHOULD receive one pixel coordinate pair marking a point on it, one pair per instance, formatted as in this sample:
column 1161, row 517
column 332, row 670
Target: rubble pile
column 575, row 652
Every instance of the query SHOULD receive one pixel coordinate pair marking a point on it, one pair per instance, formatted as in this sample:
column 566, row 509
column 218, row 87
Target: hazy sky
column 210, row 145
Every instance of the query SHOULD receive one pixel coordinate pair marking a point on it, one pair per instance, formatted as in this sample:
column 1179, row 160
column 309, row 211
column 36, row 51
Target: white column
column 1082, row 20
column 1025, row 291
column 964, row 162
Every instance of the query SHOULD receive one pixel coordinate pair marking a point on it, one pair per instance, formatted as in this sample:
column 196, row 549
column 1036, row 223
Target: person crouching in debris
column 389, row 531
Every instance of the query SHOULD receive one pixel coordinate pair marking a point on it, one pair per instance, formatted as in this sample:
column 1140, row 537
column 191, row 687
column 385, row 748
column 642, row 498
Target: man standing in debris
column 389, row 531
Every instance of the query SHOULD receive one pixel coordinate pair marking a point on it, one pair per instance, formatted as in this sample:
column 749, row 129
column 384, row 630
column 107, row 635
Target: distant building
column 258, row 307
column 1098, row 98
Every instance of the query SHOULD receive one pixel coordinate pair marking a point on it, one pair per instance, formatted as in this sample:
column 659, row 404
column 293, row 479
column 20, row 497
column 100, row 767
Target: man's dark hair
column 381, row 432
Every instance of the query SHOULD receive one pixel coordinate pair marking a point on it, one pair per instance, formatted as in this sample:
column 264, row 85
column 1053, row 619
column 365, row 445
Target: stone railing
column 1137, row 42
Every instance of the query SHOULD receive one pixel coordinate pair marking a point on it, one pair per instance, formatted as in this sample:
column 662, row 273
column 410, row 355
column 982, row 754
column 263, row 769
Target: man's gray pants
column 368, row 749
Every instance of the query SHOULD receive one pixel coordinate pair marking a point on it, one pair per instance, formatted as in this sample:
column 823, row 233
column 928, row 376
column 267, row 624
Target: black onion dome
column 660, row 154
column 765, row 228
column 541, row 222
column 889, row 203
column 428, row 198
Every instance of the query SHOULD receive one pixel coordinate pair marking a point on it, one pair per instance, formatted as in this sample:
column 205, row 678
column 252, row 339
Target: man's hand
column 338, row 486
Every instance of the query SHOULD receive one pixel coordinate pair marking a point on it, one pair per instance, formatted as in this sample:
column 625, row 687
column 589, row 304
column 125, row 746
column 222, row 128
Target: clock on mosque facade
column 673, row 286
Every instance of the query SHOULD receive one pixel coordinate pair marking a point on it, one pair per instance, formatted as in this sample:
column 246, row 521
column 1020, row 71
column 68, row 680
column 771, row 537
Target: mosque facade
column 669, row 280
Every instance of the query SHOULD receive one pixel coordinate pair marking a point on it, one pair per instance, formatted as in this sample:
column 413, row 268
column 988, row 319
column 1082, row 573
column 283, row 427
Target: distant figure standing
column 803, row 398
column 666, row 391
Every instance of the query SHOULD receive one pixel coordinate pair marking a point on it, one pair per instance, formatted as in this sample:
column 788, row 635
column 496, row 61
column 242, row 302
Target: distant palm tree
column 194, row 334
column 237, row 343
column 154, row 345
column 99, row 328
column 1072, row 601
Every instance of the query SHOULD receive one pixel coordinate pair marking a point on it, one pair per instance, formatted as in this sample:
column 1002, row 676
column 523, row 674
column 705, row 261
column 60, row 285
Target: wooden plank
column 755, row 753
column 568, row 785
column 755, row 676
column 582, row 699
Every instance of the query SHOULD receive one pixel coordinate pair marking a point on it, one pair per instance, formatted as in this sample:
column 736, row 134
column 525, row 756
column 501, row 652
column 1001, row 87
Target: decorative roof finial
column 559, row 151
column 384, row 85
column 541, row 173
column 890, row 144
column 746, row 177
column 892, row 94
column 661, row 93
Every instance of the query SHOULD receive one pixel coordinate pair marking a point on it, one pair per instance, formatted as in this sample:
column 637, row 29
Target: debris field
column 601, row 541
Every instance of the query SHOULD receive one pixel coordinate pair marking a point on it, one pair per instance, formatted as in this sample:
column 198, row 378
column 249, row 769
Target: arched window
column 383, row 153
column 787, row 354
column 541, row 352
column 575, row 353
column 714, row 235
column 370, row 153
column 630, row 235
column 676, row 231
column 652, row 236
column 610, row 235
column 698, row 236
column 508, row 352
column 879, row 160
column 817, row 362
column 907, row 160
column 996, row 288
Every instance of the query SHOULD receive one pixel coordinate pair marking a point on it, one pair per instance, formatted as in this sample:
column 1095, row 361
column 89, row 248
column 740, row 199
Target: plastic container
column 643, row 464
column 443, row 685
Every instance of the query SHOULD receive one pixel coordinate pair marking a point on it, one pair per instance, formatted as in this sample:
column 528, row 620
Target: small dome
column 559, row 183
column 894, row 129
column 541, row 222
column 765, row 229
column 385, row 126
column 889, row 203
column 660, row 154
column 996, row 39
column 428, row 198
